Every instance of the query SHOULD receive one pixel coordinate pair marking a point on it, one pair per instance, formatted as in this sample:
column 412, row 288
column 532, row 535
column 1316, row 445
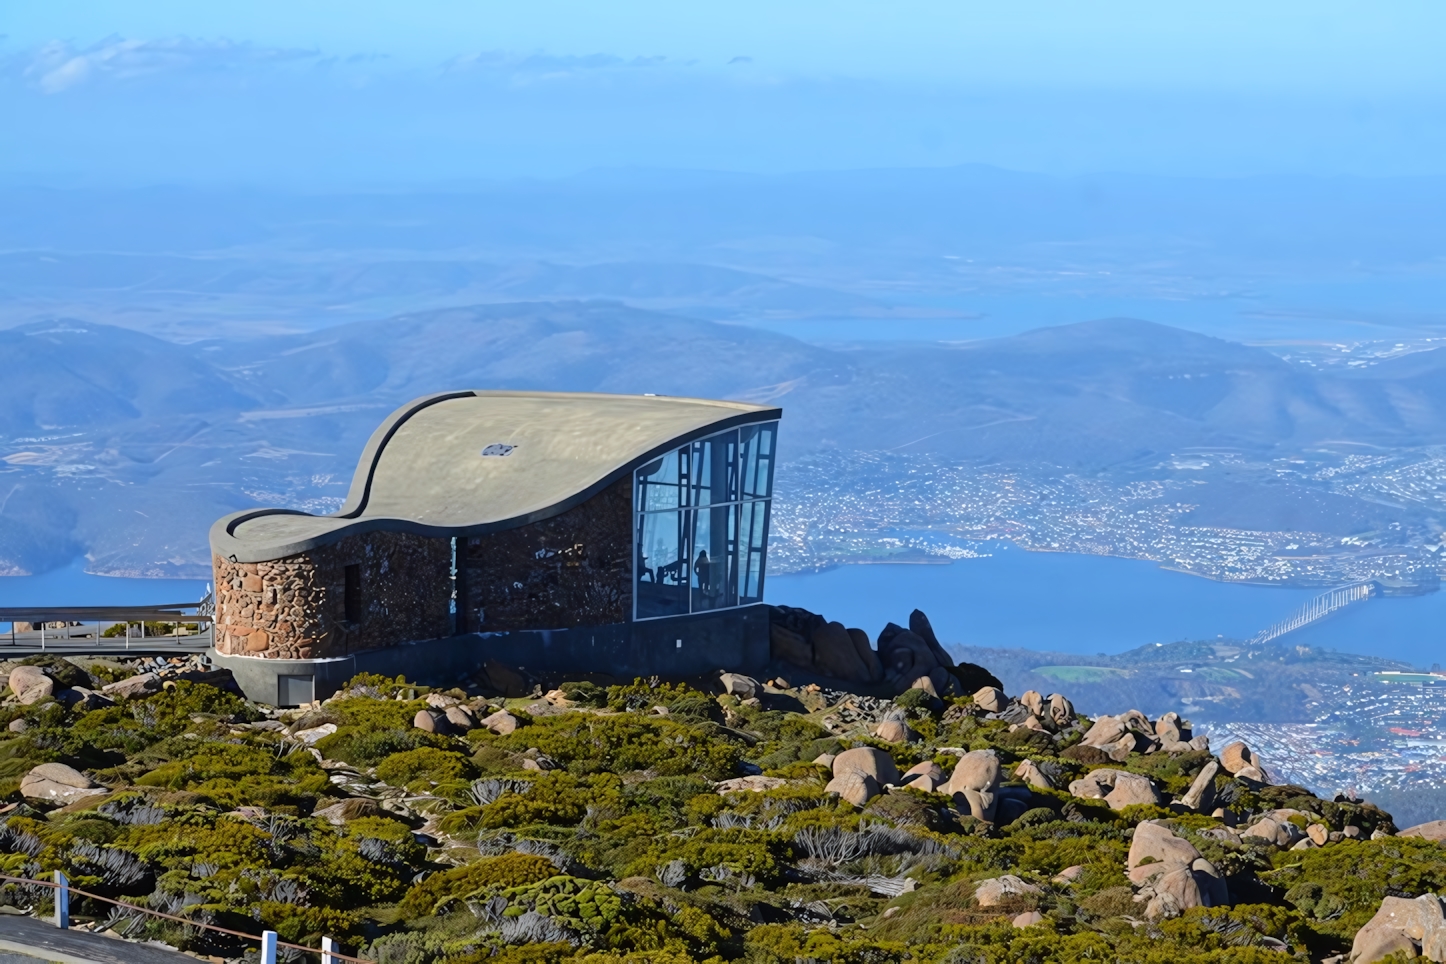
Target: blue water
column 1097, row 604
column 73, row 586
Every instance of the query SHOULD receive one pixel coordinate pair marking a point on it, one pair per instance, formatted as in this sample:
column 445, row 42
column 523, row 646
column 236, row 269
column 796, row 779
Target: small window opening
column 353, row 598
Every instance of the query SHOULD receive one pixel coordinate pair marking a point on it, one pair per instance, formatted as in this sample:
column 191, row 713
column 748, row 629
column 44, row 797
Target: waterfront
column 1073, row 603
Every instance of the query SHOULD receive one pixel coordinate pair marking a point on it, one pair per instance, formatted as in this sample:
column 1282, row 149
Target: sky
column 369, row 92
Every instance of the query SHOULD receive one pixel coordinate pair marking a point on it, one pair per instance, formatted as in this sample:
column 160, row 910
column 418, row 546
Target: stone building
column 617, row 534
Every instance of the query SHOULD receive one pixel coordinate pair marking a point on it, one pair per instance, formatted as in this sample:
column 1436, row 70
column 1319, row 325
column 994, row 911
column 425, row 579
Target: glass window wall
column 701, row 524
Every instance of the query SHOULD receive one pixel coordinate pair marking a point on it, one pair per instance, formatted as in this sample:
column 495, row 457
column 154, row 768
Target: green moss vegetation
column 599, row 832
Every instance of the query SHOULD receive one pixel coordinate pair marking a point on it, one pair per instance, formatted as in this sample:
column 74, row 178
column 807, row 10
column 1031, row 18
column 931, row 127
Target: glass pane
column 661, row 571
column 714, row 469
column 753, row 542
column 660, row 483
column 757, row 443
column 715, row 541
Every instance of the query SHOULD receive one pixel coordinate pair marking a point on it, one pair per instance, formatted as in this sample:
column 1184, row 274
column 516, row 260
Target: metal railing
column 268, row 940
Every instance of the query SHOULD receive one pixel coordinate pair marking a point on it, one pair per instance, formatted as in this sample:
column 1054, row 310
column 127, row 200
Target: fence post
column 268, row 947
column 62, row 901
column 328, row 946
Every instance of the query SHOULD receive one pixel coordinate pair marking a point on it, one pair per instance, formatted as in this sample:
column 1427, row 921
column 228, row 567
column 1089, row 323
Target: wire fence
column 63, row 888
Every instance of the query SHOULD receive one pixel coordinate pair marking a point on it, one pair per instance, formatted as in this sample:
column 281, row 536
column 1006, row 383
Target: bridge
column 81, row 629
column 1317, row 609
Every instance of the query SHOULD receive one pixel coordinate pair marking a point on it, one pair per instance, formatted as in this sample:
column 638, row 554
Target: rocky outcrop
column 1133, row 732
column 1171, row 875
column 1402, row 926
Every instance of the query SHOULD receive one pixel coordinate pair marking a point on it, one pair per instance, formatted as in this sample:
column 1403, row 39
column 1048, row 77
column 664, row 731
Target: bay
column 1082, row 604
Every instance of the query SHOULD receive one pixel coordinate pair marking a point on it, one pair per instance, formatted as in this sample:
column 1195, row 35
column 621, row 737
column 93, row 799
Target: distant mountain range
column 126, row 446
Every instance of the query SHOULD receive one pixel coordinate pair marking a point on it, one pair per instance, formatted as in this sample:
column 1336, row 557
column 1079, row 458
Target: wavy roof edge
column 270, row 534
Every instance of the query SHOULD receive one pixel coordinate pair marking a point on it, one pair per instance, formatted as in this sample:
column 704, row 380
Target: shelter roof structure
column 474, row 462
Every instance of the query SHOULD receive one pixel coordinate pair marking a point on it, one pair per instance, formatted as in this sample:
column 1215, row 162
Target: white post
column 328, row 947
column 62, row 901
column 42, row 635
column 268, row 947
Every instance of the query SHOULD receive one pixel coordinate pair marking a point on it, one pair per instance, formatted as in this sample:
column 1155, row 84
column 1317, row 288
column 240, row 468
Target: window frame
column 743, row 550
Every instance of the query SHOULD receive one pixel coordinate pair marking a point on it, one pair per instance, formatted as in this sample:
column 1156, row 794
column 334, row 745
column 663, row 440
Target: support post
column 62, row 901
column 42, row 634
column 268, row 947
column 328, row 948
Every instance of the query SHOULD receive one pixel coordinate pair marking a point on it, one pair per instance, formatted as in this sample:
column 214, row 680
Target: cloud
column 59, row 66
column 740, row 60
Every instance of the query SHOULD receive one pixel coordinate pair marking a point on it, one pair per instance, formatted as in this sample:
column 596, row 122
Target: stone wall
column 574, row 569
column 295, row 608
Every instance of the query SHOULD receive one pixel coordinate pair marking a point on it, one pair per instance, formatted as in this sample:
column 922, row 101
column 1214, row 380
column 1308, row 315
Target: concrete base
column 734, row 639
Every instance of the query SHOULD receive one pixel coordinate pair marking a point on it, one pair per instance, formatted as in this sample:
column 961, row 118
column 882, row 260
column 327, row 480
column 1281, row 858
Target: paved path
column 25, row 940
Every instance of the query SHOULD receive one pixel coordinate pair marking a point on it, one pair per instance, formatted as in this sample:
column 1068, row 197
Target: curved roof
column 424, row 471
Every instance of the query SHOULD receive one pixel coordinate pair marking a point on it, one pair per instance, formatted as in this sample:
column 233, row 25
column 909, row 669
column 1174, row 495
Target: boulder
column 824, row 760
column 432, row 721
column 501, row 723
column 991, row 892
column 313, row 734
column 1120, row 750
column 786, row 645
column 919, row 625
column 1201, row 795
column 895, row 731
column 461, row 718
column 835, row 655
column 1028, row 919
column 1154, row 849
column 18, row 725
column 1167, row 728
column 991, row 699
column 1420, row 921
column 1175, row 891
column 1431, row 830
column 1106, row 731
column 1069, row 874
column 1061, row 710
column 1033, row 701
column 976, row 770
column 30, row 684
column 855, row 786
column 928, row 768
column 870, row 762
column 1236, row 757
column 757, row 783
column 972, row 677
column 1201, row 742
column 1275, row 830
column 136, row 687
column 1374, row 944
column 58, row 783
column 83, row 700
column 1319, row 834
column 1253, row 775
column 440, row 701
column 906, row 659
column 743, row 687
column 926, row 684
column 979, row 804
column 1030, row 773
column 1117, row 788
column 867, row 656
